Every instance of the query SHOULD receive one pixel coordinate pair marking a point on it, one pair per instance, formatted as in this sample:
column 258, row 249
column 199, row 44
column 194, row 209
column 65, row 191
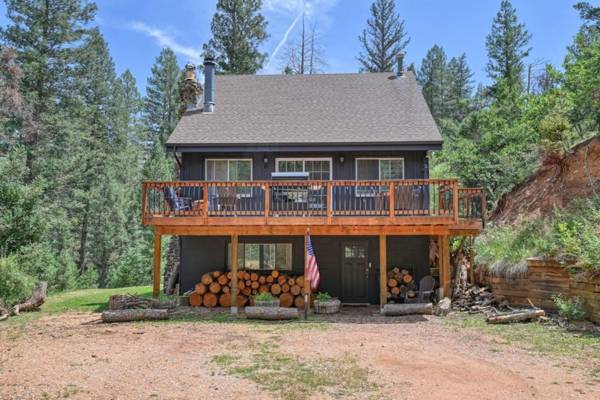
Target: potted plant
column 325, row 304
column 266, row 300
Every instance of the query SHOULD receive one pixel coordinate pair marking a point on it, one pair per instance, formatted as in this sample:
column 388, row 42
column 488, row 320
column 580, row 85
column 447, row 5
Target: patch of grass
column 535, row 336
column 89, row 300
column 290, row 377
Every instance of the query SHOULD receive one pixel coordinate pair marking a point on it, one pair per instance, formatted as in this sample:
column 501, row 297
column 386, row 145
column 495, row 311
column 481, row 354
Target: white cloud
column 163, row 39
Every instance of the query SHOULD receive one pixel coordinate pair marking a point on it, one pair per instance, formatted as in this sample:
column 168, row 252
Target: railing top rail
column 346, row 182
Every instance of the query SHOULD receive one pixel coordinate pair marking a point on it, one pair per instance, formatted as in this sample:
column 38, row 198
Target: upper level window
column 228, row 169
column 368, row 169
column 317, row 168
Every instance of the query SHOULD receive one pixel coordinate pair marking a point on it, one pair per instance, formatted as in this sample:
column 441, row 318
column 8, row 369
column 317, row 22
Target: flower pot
column 328, row 306
column 266, row 303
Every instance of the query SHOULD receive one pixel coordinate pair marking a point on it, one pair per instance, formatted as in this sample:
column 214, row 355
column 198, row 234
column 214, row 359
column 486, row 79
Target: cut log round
column 134, row 315
column 253, row 276
column 200, row 288
column 226, row 289
column 392, row 283
column 222, row 280
column 295, row 290
column 229, row 275
column 275, row 289
column 240, row 274
column 216, row 274
column 210, row 300
column 241, row 285
column 254, row 284
column 281, row 279
column 407, row 309
column 206, row 279
column 285, row 288
column 291, row 282
column 263, row 289
column 248, row 282
column 246, row 276
column 242, row 300
column 270, row 279
column 395, row 291
column 247, row 291
column 396, row 270
column 405, row 272
column 299, row 301
column 286, row 300
column 407, row 278
column 300, row 280
column 195, row 300
column 274, row 273
column 271, row 313
column 225, row 300
column 214, row 287
column 262, row 279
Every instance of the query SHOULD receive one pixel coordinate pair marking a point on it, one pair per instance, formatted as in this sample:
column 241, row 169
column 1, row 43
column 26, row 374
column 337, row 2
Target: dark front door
column 355, row 272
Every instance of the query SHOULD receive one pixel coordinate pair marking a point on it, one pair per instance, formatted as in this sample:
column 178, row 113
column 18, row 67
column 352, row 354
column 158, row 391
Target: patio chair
column 174, row 202
column 226, row 198
column 426, row 285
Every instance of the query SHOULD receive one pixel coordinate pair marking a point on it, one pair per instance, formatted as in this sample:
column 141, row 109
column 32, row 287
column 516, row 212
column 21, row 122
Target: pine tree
column 238, row 30
column 161, row 104
column 434, row 79
column 460, row 88
column 507, row 47
column 383, row 39
column 47, row 36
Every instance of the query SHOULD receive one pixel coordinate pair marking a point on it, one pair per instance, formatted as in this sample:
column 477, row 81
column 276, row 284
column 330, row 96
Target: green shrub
column 323, row 296
column 15, row 285
column 571, row 309
column 88, row 280
column 264, row 297
column 133, row 269
column 41, row 262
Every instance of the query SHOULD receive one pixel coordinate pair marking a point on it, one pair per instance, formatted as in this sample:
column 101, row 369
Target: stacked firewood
column 214, row 289
column 400, row 284
column 474, row 299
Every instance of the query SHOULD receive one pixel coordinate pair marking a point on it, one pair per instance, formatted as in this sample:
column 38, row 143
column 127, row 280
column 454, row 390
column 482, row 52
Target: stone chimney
column 190, row 90
column 209, row 83
column 400, row 64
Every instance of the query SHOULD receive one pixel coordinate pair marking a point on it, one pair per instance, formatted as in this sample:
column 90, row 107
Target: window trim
column 206, row 160
column 303, row 159
column 369, row 193
column 261, row 256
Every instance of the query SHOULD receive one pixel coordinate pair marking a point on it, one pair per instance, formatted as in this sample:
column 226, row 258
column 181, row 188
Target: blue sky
column 136, row 30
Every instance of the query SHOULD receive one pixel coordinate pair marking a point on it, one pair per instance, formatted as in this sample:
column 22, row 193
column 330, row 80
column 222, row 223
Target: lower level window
column 263, row 256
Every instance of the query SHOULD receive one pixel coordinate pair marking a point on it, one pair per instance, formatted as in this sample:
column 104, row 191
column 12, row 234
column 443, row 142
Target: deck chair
column 426, row 285
column 174, row 202
column 227, row 197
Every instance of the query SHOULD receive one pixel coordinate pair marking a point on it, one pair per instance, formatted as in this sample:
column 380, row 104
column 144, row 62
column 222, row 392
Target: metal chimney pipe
column 209, row 83
column 400, row 64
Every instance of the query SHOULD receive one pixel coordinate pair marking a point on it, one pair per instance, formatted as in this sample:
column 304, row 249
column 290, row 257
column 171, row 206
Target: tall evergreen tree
column 47, row 36
column 238, row 30
column 161, row 104
column 507, row 47
column 383, row 39
column 434, row 79
column 460, row 88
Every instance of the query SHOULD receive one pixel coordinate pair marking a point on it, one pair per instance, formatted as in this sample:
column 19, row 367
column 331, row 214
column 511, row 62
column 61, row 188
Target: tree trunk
column 134, row 315
column 271, row 313
column 515, row 316
column 35, row 301
column 407, row 309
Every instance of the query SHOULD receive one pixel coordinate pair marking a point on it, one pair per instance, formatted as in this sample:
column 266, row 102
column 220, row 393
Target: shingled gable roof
column 335, row 109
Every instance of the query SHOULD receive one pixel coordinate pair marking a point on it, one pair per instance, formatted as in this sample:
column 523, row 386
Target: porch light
column 266, row 160
column 341, row 159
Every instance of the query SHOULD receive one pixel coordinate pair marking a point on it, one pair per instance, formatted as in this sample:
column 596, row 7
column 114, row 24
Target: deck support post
column 234, row 273
column 156, row 264
column 382, row 270
column 444, row 265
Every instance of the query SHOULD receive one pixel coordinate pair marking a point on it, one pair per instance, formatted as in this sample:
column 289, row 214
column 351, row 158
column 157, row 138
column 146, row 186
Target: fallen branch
column 4, row 311
column 125, row 302
column 35, row 301
column 134, row 315
column 524, row 315
column 271, row 313
column 407, row 309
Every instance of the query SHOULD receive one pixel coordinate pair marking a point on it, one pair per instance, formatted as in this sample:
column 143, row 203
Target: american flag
column 312, row 269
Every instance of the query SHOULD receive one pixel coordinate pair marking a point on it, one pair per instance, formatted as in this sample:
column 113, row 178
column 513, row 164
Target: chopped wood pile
column 400, row 285
column 214, row 289
column 474, row 300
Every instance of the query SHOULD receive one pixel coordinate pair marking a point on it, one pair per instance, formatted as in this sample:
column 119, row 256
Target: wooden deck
column 420, row 206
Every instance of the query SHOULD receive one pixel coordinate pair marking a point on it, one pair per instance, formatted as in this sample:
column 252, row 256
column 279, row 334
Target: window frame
column 372, row 193
column 261, row 256
column 206, row 160
column 304, row 159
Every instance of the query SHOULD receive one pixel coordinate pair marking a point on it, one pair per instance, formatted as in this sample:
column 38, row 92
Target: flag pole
column 306, row 277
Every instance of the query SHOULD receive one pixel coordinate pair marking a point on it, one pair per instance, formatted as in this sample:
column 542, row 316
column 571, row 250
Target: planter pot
column 266, row 303
column 327, row 307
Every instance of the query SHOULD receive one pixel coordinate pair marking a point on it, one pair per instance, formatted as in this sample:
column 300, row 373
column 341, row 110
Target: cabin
column 265, row 160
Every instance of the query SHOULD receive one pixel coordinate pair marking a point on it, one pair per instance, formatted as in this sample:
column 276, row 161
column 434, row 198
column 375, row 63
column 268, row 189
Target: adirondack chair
column 426, row 285
column 174, row 202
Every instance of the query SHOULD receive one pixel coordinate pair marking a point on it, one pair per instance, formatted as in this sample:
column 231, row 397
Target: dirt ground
column 67, row 356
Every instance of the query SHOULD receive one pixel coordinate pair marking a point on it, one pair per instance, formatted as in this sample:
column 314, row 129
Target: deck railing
column 435, row 200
